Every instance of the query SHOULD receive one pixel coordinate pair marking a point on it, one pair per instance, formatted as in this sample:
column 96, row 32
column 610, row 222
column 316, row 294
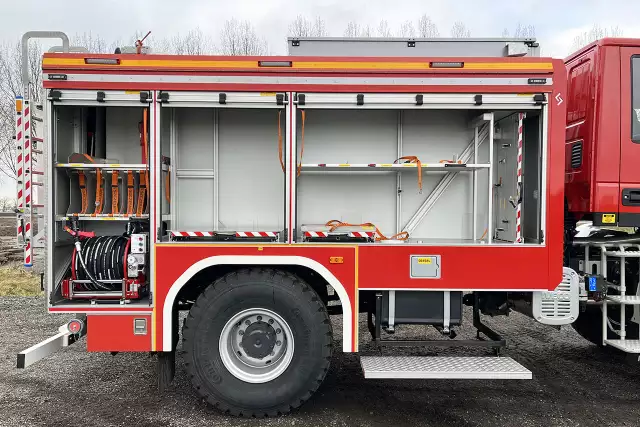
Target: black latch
column 279, row 98
column 631, row 197
column 144, row 96
column 295, row 42
column 539, row 81
column 222, row 98
column 164, row 97
column 360, row 99
column 100, row 96
column 477, row 100
column 301, row 99
column 411, row 43
column 55, row 95
column 539, row 98
column 419, row 99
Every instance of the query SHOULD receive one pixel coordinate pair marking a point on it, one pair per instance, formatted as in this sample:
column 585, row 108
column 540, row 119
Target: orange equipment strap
column 115, row 193
column 334, row 224
column 83, row 192
column 304, row 115
column 416, row 160
column 99, row 192
column 145, row 130
column 167, row 190
column 280, row 141
column 130, row 192
column 141, row 193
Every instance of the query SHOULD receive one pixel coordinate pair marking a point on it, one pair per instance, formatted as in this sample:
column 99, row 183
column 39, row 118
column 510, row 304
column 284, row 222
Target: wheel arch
column 267, row 260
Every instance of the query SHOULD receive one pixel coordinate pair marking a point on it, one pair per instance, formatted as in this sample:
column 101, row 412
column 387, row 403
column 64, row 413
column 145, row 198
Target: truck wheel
column 257, row 342
column 589, row 324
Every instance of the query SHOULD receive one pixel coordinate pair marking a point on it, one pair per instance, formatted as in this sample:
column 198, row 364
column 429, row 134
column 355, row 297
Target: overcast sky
column 556, row 22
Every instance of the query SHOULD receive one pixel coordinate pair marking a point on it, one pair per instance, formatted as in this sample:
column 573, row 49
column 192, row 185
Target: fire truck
column 389, row 182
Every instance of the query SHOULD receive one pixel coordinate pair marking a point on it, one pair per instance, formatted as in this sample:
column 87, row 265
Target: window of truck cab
column 635, row 98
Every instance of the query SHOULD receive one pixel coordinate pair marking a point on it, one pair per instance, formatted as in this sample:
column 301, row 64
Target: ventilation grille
column 560, row 306
column 576, row 155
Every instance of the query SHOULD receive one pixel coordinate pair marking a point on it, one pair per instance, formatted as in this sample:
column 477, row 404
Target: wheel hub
column 258, row 340
column 256, row 345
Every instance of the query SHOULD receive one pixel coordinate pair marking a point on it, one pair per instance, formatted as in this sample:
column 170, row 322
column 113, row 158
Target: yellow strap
column 280, row 142
column 304, row 115
column 129, row 192
column 115, row 194
column 167, row 190
column 83, row 192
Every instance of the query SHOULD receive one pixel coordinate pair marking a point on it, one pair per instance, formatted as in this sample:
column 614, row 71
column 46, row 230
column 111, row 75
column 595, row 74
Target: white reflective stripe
column 167, row 318
column 369, row 80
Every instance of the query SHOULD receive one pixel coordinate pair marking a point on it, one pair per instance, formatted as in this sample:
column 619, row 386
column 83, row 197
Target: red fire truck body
column 263, row 194
column 603, row 138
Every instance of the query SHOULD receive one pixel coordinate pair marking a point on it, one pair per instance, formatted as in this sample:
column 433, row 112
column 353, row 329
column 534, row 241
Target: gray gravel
column 575, row 384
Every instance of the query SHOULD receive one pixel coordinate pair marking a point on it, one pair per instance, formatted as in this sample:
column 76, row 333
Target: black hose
column 101, row 258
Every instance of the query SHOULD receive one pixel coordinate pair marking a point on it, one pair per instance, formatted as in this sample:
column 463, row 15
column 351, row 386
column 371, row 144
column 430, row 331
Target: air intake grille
column 576, row 155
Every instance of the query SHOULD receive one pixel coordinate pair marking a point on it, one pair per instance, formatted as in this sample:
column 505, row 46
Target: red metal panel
column 172, row 260
column 464, row 268
column 629, row 150
column 115, row 333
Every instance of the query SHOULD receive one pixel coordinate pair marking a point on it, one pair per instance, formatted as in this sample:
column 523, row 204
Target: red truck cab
column 602, row 173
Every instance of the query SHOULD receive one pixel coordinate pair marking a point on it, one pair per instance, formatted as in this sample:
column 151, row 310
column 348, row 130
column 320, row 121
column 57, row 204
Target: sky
column 556, row 22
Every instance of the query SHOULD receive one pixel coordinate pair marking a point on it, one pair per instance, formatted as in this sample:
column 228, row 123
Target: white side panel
column 434, row 136
column 251, row 181
column 505, row 161
column 349, row 136
column 195, row 138
column 123, row 135
column 194, row 197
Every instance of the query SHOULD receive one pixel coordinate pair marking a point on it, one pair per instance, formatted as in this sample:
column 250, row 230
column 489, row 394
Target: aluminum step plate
column 463, row 368
column 628, row 346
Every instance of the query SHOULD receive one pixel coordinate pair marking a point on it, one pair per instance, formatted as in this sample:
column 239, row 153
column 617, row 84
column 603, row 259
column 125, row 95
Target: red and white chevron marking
column 192, row 234
column 256, row 234
column 519, row 185
column 19, row 163
column 366, row 234
column 315, row 234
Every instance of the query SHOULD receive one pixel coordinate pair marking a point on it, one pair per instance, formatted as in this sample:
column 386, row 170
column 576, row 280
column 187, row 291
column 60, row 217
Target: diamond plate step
column 628, row 346
column 627, row 299
column 462, row 368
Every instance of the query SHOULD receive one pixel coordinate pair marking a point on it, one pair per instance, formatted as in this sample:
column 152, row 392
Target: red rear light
column 75, row 326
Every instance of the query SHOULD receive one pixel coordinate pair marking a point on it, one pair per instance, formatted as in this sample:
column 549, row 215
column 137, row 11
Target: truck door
column 629, row 207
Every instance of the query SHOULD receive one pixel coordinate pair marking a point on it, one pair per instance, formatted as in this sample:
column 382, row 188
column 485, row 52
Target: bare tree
column 366, row 31
column 352, row 30
column 427, row 28
column 94, row 43
column 460, row 31
column 8, row 204
column 524, row 31
column 595, row 33
column 319, row 28
column 407, row 29
column 383, row 29
column 10, row 87
column 240, row 38
column 302, row 27
column 505, row 33
column 195, row 42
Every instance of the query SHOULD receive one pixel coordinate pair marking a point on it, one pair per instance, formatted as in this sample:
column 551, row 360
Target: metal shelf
column 101, row 217
column 628, row 346
column 103, row 166
column 391, row 167
column 627, row 299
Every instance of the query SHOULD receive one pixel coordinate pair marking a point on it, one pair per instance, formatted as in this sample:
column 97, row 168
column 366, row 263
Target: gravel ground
column 575, row 384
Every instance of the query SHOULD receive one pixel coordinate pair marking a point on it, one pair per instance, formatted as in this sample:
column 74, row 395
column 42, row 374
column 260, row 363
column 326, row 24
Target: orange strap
column 83, row 192
column 334, row 224
column 416, row 160
column 167, row 190
column 145, row 129
column 115, row 193
column 303, row 113
column 129, row 192
column 141, row 193
column 99, row 192
column 280, row 141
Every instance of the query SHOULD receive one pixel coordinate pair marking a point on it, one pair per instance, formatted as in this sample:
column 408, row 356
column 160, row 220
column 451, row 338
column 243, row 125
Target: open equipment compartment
column 416, row 168
column 100, row 188
column 226, row 182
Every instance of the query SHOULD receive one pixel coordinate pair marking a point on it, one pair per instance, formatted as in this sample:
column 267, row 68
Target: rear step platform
column 434, row 367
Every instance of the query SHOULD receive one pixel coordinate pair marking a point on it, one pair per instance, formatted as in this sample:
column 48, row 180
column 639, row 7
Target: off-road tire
column 292, row 299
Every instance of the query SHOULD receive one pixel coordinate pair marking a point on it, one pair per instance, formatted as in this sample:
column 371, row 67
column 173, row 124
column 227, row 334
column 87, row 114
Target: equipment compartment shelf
column 388, row 167
column 102, row 166
column 101, row 217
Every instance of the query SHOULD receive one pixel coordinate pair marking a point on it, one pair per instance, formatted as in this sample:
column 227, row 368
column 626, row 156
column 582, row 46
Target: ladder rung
column 36, row 118
column 36, row 151
column 37, row 173
column 36, row 139
column 38, row 206
column 39, row 184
